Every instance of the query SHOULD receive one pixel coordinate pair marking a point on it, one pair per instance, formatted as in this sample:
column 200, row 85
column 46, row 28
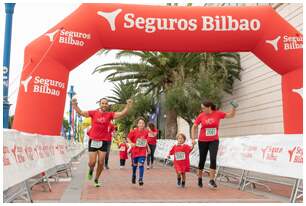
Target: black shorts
column 103, row 148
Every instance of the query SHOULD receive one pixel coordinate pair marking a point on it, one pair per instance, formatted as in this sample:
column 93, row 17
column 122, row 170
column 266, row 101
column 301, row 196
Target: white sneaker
column 121, row 167
column 148, row 167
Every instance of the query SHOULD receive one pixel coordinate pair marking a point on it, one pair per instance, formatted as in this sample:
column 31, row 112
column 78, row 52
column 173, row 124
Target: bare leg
column 183, row 177
column 212, row 174
column 200, row 173
column 101, row 159
column 92, row 160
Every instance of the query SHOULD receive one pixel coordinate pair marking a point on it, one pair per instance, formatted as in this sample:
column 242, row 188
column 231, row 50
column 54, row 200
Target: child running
column 181, row 153
column 138, row 138
column 123, row 153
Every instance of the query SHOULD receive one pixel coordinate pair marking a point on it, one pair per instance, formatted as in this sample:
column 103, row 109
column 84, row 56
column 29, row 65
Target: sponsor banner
column 26, row 155
column 280, row 155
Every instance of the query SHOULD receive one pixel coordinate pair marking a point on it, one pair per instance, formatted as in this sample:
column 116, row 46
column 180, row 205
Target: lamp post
column 9, row 10
column 71, row 93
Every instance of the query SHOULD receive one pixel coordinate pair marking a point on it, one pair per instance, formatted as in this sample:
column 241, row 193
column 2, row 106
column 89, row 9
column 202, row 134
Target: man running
column 99, row 139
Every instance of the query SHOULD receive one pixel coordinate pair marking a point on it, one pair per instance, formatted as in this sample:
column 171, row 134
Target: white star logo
column 110, row 17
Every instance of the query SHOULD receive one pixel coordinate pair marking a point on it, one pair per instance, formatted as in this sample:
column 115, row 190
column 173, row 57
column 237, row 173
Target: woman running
column 99, row 137
column 138, row 139
column 209, row 138
column 152, row 140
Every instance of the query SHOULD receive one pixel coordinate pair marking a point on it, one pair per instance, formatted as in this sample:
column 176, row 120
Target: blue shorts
column 140, row 160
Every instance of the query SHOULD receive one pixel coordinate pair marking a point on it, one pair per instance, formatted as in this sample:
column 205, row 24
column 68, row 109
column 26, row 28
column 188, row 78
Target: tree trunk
column 171, row 124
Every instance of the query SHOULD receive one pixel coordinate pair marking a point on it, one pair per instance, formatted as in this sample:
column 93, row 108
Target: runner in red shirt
column 99, row 137
column 123, row 153
column 181, row 153
column 152, row 140
column 111, row 132
column 209, row 138
column 138, row 138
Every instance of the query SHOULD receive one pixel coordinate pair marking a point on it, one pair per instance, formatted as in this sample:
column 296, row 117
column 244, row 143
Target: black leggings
column 151, row 155
column 212, row 147
column 122, row 162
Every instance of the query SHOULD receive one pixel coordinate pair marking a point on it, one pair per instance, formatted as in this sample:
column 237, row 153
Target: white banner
column 26, row 155
column 280, row 155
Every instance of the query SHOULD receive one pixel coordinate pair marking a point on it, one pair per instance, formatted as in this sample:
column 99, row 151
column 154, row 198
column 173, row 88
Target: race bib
column 180, row 155
column 211, row 131
column 96, row 144
column 122, row 149
column 141, row 142
column 151, row 134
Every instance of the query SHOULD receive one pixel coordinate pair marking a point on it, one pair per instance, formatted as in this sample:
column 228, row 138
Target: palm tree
column 158, row 72
column 143, row 104
column 122, row 92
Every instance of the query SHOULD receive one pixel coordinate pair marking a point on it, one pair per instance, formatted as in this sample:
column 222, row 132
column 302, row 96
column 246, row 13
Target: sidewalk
column 159, row 186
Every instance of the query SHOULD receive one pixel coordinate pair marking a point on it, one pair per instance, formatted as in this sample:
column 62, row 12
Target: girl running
column 123, row 153
column 138, row 138
column 181, row 153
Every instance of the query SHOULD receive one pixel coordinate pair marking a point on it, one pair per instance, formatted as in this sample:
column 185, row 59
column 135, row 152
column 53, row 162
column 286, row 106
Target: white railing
column 278, row 155
column 30, row 155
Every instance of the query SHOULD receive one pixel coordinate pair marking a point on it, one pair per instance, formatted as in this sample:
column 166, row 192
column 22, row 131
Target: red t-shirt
column 210, row 125
column 152, row 136
column 123, row 148
column 100, row 122
column 140, row 138
column 181, row 157
column 110, row 129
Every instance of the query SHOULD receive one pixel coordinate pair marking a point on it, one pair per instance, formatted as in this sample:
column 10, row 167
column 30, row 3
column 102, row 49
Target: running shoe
column 200, row 183
column 140, row 182
column 133, row 179
column 183, row 184
column 97, row 184
column 212, row 184
column 89, row 175
column 178, row 183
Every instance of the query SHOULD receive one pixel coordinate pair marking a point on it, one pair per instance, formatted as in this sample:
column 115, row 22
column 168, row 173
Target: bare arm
column 77, row 109
column 231, row 113
column 193, row 133
column 125, row 110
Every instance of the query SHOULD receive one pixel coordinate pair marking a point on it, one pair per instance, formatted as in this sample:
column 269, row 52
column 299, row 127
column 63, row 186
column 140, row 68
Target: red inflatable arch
column 50, row 58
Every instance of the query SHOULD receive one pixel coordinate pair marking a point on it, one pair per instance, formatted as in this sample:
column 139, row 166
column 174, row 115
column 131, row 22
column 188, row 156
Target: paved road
column 159, row 186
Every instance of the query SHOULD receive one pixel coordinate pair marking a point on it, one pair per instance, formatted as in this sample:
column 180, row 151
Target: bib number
column 122, row 149
column 211, row 131
column 180, row 156
column 141, row 143
column 96, row 144
column 151, row 134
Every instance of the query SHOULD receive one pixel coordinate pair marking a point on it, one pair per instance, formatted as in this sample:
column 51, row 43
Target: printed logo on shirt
column 209, row 121
column 101, row 119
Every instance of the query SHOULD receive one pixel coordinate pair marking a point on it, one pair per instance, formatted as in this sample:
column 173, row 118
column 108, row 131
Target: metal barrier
column 23, row 190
